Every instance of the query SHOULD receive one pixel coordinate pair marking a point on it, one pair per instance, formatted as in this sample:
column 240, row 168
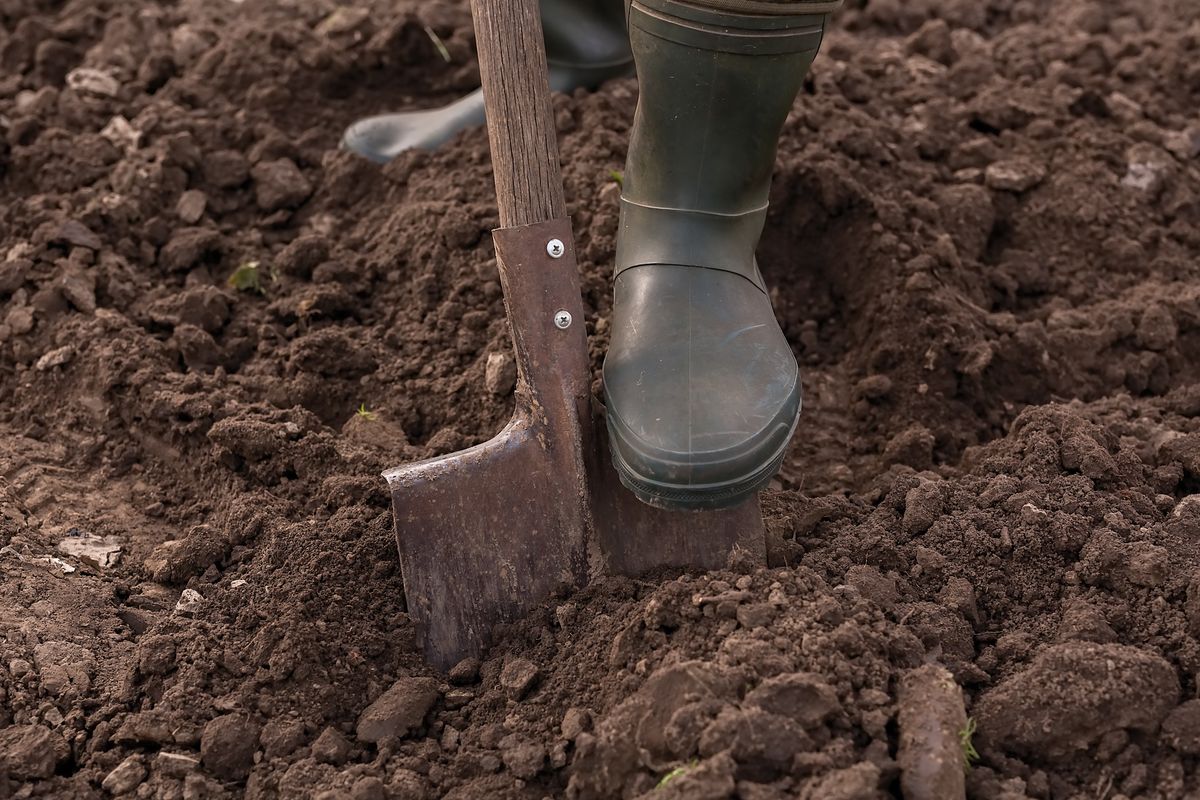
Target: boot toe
column 702, row 389
column 379, row 138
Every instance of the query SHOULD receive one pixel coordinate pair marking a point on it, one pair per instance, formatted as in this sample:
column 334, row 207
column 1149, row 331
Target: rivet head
column 562, row 320
column 556, row 248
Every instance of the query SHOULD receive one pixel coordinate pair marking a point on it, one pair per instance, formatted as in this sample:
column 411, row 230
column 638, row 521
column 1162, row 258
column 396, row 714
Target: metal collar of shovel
column 487, row 534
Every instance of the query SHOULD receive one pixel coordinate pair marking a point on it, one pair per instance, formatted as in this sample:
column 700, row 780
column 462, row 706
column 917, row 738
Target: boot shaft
column 716, row 87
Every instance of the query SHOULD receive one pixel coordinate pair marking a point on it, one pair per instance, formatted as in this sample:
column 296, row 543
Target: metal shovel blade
column 482, row 538
column 488, row 533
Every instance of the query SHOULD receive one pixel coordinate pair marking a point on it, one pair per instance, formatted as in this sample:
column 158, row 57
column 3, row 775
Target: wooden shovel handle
column 520, row 121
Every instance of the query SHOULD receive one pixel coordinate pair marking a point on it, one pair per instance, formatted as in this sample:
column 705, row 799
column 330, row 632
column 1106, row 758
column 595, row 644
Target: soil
column 216, row 330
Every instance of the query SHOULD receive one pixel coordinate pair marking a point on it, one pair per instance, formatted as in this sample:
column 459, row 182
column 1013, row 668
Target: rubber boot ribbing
column 702, row 389
column 586, row 45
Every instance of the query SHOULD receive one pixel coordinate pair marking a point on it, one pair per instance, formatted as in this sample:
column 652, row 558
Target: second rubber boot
column 586, row 45
column 701, row 387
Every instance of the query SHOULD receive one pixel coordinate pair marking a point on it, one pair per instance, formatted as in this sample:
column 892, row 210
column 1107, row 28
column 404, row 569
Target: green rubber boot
column 702, row 388
column 586, row 45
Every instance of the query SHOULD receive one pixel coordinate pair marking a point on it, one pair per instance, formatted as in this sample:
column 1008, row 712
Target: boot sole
column 709, row 497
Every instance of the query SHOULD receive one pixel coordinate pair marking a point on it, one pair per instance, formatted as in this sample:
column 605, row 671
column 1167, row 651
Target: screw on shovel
column 488, row 533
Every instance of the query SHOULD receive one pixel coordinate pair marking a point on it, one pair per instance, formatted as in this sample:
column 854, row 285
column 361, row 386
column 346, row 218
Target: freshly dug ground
column 216, row 330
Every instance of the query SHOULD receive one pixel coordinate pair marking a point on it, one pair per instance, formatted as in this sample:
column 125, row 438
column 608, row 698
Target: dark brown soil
column 985, row 247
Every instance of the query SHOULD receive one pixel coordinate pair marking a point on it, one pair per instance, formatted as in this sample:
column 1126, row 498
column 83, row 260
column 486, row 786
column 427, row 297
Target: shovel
column 487, row 534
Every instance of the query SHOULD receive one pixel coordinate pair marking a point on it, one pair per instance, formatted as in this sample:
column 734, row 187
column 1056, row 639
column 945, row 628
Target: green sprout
column 675, row 773
column 438, row 43
column 970, row 754
column 246, row 278
column 617, row 178
column 369, row 416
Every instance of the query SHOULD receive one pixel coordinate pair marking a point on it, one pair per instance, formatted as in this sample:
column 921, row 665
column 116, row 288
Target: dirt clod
column 278, row 184
column 805, row 698
column 331, row 747
column 932, row 722
column 227, row 746
column 30, row 751
column 1075, row 693
column 518, row 677
column 125, row 777
column 398, row 711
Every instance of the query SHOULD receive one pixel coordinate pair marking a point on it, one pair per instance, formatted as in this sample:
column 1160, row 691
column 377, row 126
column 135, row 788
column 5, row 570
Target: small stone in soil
column 518, row 678
column 86, row 80
column 1015, row 175
column 127, row 776
column 191, row 205
column 55, row 358
column 190, row 601
column 399, row 711
column 500, row 375
column 464, row 672
column 457, row 698
column 122, row 134
column 227, row 746
column 104, row 551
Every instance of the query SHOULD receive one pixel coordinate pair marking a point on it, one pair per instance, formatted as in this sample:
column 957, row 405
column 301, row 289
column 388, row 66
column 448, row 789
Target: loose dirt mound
column 216, row 330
